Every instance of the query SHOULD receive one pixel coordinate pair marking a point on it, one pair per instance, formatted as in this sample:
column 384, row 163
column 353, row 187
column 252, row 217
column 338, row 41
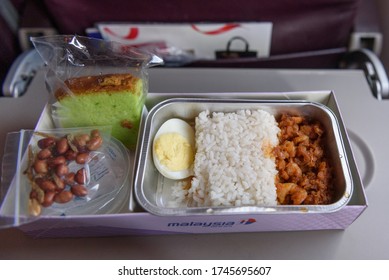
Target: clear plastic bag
column 60, row 172
column 93, row 82
column 172, row 56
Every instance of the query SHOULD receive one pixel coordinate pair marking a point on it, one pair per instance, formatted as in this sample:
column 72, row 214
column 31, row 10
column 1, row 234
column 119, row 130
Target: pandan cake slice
column 112, row 99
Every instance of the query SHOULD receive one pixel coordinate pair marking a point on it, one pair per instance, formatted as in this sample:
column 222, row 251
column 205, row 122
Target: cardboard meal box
column 133, row 220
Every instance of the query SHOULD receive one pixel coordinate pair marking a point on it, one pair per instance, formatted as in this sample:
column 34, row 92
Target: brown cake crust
column 109, row 83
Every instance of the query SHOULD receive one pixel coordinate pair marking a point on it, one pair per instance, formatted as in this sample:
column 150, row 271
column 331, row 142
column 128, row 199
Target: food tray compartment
column 152, row 189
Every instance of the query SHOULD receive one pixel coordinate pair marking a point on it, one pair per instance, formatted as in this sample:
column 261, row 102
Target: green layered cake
column 112, row 99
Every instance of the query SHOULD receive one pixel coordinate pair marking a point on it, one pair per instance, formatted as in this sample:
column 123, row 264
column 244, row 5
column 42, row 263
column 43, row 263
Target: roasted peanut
column 81, row 176
column 40, row 166
column 69, row 178
column 56, row 160
column 47, row 185
column 38, row 181
column 59, row 183
column 48, row 199
column 49, row 170
column 46, row 142
column 62, row 146
column 61, row 170
column 81, row 140
column 33, row 194
column 95, row 133
column 83, row 149
column 40, row 195
column 94, row 143
column 71, row 155
column 63, row 197
column 44, row 153
column 79, row 190
column 34, row 207
column 82, row 158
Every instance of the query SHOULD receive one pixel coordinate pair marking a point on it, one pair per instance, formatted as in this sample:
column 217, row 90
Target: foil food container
column 153, row 191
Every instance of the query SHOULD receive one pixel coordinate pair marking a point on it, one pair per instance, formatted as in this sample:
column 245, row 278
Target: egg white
column 184, row 129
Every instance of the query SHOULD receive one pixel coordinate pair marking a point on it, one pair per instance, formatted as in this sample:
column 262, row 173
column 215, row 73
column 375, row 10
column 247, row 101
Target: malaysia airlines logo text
column 212, row 224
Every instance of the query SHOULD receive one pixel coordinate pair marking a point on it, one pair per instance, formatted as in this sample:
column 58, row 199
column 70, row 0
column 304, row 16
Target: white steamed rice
column 232, row 167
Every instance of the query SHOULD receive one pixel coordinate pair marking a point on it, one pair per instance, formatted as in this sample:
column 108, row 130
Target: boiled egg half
column 174, row 149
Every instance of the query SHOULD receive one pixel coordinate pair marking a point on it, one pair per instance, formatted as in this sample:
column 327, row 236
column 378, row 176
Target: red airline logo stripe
column 131, row 35
column 225, row 28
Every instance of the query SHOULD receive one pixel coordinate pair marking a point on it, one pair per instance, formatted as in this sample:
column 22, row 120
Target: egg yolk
column 174, row 151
